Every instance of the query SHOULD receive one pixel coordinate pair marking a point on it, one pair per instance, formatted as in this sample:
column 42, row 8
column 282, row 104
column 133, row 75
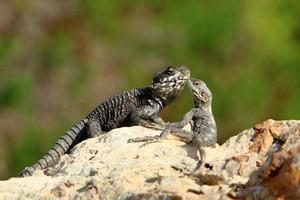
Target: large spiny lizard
column 134, row 107
column 204, row 129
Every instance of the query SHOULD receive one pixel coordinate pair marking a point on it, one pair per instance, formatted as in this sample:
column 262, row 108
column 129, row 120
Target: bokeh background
column 59, row 59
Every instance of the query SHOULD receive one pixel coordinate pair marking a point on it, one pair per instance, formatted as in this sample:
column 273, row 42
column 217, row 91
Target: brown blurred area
column 59, row 59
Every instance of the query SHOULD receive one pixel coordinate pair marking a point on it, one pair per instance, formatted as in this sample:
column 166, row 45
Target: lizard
column 134, row 107
column 204, row 129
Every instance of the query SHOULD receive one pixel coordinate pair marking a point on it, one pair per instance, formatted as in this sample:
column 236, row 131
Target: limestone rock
column 261, row 162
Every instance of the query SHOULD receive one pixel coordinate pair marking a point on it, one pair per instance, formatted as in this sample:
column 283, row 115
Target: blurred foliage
column 59, row 59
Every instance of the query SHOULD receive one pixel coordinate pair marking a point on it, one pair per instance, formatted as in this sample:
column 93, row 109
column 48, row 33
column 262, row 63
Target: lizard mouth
column 194, row 86
column 185, row 72
column 191, row 84
column 175, row 81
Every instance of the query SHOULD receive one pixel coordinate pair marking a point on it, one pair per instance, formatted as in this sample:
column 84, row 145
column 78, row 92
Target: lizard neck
column 164, row 96
column 146, row 94
column 204, row 106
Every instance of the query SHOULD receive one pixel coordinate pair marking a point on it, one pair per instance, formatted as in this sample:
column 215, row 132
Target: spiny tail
column 72, row 137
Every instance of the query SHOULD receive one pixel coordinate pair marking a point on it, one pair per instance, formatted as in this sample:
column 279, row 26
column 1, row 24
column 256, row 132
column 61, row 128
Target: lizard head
column 168, row 83
column 201, row 94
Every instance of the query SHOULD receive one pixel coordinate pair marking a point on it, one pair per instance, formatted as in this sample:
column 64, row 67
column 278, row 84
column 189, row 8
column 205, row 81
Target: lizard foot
column 145, row 139
column 154, row 126
column 198, row 170
column 104, row 138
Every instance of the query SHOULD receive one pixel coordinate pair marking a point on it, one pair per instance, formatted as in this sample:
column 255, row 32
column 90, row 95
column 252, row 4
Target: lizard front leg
column 175, row 128
column 145, row 113
column 157, row 120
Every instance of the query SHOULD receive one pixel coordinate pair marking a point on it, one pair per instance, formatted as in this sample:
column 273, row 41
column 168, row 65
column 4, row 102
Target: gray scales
column 204, row 129
column 135, row 107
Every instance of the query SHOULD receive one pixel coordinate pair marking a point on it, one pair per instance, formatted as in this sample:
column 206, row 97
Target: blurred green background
column 59, row 59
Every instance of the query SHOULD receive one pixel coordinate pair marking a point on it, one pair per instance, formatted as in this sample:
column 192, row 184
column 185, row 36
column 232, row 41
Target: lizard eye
column 196, row 83
column 202, row 94
column 171, row 70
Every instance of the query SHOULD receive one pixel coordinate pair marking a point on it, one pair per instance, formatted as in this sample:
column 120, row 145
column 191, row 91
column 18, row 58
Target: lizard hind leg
column 93, row 128
column 199, row 166
column 200, row 144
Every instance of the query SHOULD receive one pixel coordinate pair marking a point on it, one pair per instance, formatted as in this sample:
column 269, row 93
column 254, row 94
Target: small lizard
column 204, row 129
column 135, row 107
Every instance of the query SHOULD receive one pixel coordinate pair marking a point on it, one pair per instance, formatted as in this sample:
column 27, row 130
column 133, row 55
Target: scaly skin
column 204, row 129
column 135, row 107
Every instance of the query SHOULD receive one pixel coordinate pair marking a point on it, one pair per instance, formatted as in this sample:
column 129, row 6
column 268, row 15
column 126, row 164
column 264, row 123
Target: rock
column 261, row 162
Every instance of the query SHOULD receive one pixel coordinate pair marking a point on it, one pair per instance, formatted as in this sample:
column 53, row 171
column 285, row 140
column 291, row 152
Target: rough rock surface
column 259, row 163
